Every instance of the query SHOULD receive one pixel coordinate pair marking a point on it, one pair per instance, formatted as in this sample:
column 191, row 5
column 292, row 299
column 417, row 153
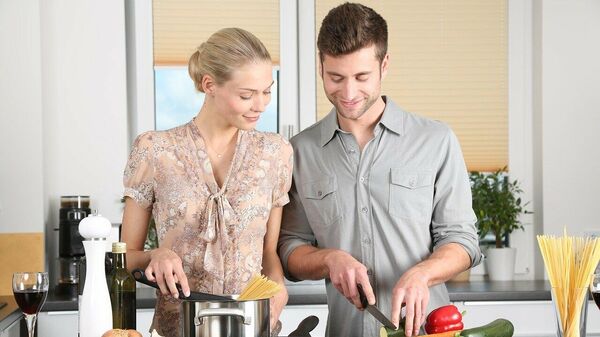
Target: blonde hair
column 224, row 52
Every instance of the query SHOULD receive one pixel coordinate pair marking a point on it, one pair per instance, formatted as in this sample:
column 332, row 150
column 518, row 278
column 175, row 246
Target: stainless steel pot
column 208, row 315
column 226, row 318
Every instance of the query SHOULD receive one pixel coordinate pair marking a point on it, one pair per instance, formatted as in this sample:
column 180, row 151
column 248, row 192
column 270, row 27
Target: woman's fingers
column 182, row 279
column 170, row 282
column 160, row 280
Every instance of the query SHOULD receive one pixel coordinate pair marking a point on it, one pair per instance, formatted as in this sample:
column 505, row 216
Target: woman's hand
column 277, row 303
column 166, row 269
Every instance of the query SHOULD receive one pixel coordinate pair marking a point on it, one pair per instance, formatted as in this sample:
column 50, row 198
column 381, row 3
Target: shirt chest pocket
column 411, row 194
column 320, row 201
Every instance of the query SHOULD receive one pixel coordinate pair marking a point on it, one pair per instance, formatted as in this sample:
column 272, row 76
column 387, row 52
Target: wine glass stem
column 30, row 319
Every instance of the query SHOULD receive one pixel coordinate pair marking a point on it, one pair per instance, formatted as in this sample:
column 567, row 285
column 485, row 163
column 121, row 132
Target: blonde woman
column 214, row 186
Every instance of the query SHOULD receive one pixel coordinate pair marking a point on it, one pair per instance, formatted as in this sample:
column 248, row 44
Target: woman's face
column 245, row 96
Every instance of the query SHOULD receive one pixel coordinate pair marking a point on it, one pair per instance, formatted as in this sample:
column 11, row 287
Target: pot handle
column 199, row 319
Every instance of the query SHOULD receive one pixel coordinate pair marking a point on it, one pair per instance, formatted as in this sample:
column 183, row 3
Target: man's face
column 352, row 82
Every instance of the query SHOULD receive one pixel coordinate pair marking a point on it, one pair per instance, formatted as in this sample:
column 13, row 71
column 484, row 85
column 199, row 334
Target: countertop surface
column 8, row 313
column 312, row 292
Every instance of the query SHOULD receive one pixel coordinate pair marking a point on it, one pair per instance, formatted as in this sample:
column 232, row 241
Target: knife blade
column 373, row 310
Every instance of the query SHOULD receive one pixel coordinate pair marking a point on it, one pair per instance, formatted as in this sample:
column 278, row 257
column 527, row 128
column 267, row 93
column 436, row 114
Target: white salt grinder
column 95, row 311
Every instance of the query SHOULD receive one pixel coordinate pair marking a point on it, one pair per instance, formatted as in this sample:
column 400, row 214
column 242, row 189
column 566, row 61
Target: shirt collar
column 392, row 119
column 329, row 125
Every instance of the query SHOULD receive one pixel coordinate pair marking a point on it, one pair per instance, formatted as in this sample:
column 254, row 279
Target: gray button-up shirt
column 389, row 206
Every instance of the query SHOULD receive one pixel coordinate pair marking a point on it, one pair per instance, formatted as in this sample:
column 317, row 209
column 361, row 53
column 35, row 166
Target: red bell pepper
column 442, row 319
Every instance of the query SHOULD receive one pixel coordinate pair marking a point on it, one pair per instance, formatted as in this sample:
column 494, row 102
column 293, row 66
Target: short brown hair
column 350, row 27
column 224, row 52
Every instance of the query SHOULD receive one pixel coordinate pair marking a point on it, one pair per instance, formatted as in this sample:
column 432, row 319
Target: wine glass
column 30, row 290
column 595, row 288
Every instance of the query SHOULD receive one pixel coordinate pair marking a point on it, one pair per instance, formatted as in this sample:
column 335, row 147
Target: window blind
column 179, row 26
column 448, row 61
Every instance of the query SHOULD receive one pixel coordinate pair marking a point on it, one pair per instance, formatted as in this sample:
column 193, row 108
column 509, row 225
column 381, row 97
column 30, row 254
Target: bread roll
column 121, row 333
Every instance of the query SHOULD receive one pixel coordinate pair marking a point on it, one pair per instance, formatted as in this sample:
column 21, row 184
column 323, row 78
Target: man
column 380, row 197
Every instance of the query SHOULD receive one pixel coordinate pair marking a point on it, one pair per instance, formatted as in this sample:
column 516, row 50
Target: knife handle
column 363, row 298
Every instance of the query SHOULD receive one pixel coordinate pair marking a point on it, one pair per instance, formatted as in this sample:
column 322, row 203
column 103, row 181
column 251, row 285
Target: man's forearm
column 309, row 263
column 445, row 262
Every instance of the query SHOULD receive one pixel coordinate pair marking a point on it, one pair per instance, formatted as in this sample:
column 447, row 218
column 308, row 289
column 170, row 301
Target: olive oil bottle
column 121, row 285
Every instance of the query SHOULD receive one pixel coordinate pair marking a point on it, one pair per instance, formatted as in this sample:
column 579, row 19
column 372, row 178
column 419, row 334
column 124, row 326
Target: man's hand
column 345, row 273
column 413, row 290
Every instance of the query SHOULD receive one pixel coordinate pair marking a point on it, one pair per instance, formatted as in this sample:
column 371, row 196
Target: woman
column 214, row 186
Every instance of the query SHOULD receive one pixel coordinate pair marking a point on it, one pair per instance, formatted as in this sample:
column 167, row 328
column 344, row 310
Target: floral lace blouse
column 217, row 233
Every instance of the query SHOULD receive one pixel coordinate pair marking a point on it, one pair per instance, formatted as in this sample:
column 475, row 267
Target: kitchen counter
column 9, row 313
column 314, row 293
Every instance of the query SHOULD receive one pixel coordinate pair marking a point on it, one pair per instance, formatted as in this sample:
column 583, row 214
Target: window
column 448, row 61
column 177, row 101
column 179, row 26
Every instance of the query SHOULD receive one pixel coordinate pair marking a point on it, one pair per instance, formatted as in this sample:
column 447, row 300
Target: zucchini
column 498, row 328
column 387, row 332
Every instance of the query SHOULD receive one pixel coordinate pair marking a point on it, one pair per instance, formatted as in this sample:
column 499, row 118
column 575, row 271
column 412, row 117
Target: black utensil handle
column 140, row 276
column 305, row 327
column 363, row 298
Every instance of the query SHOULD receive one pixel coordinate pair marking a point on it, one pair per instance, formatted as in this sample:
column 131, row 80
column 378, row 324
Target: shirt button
column 367, row 241
column 320, row 193
column 352, row 151
column 369, row 272
column 412, row 183
column 362, row 179
column 364, row 210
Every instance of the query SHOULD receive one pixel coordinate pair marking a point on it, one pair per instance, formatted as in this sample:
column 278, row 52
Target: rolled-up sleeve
column 284, row 175
column 453, row 217
column 138, row 177
column 295, row 230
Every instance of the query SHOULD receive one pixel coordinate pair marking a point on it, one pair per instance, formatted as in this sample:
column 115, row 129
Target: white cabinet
column 57, row 323
column 12, row 330
column 65, row 323
column 530, row 318
column 292, row 315
column 144, row 320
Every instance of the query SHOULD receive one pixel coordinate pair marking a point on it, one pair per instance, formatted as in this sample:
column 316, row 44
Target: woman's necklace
column 222, row 153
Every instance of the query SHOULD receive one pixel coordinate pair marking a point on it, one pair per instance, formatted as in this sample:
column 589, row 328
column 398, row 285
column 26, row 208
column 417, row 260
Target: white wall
column 85, row 106
column 21, row 151
column 570, row 105
column 63, row 110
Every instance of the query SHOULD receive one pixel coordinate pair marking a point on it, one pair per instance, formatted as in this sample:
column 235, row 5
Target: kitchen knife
column 373, row 310
column 138, row 275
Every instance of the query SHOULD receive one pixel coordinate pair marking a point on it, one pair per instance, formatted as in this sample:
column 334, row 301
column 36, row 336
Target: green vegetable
column 498, row 328
column 387, row 332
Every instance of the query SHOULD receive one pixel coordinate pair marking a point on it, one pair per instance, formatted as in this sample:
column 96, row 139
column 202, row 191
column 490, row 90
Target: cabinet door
column 57, row 323
column 13, row 330
column 530, row 318
column 292, row 315
column 144, row 320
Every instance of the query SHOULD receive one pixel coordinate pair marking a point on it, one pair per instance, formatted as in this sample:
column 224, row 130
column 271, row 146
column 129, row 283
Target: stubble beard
column 368, row 103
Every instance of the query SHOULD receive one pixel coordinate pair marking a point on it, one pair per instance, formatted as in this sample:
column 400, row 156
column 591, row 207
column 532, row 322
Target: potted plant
column 497, row 204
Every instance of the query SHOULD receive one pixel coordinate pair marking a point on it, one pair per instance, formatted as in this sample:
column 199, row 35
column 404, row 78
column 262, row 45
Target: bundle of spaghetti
column 570, row 262
column 259, row 287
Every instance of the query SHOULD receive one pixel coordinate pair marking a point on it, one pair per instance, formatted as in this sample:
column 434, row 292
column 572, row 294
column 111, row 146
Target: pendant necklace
column 219, row 155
